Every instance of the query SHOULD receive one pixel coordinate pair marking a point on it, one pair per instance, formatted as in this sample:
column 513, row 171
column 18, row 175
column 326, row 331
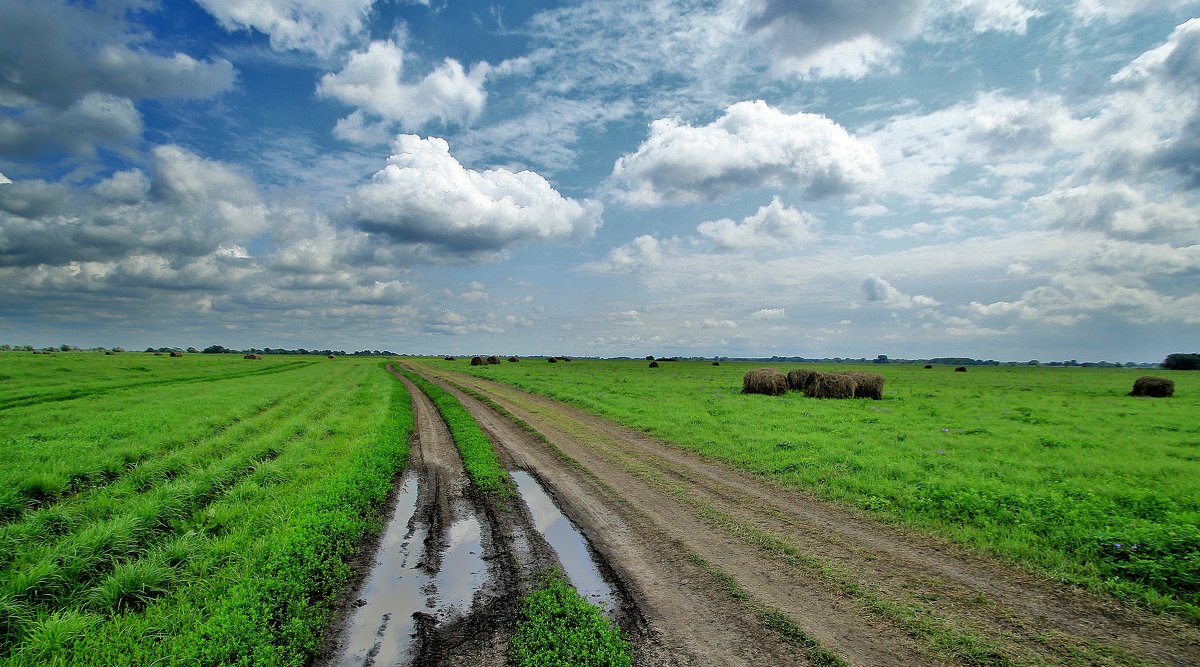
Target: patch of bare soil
column 729, row 569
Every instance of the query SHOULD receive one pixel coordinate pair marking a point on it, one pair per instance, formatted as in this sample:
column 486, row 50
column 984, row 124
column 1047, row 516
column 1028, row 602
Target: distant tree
column 881, row 359
column 192, row 350
column 1181, row 362
column 64, row 348
column 649, row 357
column 5, row 348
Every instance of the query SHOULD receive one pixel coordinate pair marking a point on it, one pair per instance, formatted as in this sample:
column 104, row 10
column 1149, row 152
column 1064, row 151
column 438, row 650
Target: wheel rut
column 678, row 530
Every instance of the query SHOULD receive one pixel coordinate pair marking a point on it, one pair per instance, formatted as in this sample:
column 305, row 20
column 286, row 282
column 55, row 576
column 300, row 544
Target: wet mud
column 443, row 583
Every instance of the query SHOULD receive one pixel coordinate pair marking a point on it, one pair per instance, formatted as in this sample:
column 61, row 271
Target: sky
column 998, row 179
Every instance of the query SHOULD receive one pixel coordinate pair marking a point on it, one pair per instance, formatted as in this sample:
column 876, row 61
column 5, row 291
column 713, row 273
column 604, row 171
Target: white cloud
column 994, row 15
column 426, row 197
column 319, row 26
column 768, row 314
column 751, row 146
column 4, row 180
column 373, row 81
column 771, row 224
column 1117, row 10
column 878, row 290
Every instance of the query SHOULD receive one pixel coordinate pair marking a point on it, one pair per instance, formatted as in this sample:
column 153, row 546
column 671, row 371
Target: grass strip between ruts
column 559, row 627
column 479, row 460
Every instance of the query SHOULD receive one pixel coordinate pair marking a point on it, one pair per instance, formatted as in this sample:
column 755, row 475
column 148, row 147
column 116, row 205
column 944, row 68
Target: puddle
column 463, row 569
column 567, row 541
column 382, row 629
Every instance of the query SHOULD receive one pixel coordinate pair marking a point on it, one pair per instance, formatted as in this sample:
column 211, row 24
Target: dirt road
column 722, row 568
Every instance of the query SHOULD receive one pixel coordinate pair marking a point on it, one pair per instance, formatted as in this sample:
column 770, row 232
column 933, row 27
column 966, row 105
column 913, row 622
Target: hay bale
column 493, row 361
column 867, row 385
column 653, row 364
column 764, row 381
column 109, row 353
column 801, row 379
column 450, row 359
column 716, row 363
column 960, row 369
column 552, row 360
column 476, row 361
column 928, row 366
column 513, row 360
column 565, row 358
column 831, row 385
column 333, row 356
column 176, row 353
column 158, row 354
column 1153, row 387
column 252, row 356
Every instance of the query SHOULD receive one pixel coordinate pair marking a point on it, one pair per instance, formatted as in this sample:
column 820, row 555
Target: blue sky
column 1005, row 179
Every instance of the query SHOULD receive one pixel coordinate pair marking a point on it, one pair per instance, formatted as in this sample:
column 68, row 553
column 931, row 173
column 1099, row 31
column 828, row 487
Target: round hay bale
column 800, row 379
column 1153, row 387
column 653, row 364
column 451, row 359
column 960, row 369
column 514, row 360
column 476, row 361
column 552, row 360
column 831, row 385
column 252, row 356
column 109, row 353
column 565, row 358
column 333, row 356
column 867, row 385
column 716, row 363
column 928, row 366
column 492, row 361
column 764, row 381
column 176, row 353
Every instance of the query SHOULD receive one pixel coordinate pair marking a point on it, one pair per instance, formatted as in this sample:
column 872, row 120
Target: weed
column 559, row 627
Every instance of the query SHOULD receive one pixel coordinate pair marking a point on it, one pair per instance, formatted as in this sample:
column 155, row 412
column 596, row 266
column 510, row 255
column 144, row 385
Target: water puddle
column 382, row 626
column 463, row 569
column 567, row 541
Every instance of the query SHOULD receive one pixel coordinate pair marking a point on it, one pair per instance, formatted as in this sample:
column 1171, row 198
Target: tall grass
column 1053, row 468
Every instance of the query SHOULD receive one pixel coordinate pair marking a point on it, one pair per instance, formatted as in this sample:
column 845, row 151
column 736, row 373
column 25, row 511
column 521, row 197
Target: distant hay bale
column 653, row 364
column 1153, row 387
column 960, row 369
column 333, row 356
column 565, row 358
column 109, row 353
column 476, row 361
column 451, row 359
column 252, row 356
column 801, row 379
column 552, row 360
column 513, row 360
column 492, row 361
column 716, row 363
column 158, row 354
column 764, row 381
column 867, row 385
column 928, row 366
column 176, row 353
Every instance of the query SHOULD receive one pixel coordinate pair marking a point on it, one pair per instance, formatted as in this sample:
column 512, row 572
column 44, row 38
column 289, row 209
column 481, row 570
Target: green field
column 1052, row 468
column 190, row 510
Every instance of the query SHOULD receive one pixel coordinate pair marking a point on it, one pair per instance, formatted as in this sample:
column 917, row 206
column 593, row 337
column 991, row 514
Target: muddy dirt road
column 721, row 568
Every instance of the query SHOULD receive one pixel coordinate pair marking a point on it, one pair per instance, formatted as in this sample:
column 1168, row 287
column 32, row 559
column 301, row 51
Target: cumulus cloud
column 830, row 38
column 993, row 15
column 771, row 224
column 878, row 290
column 752, row 146
column 373, row 80
column 319, row 26
column 427, row 197
column 186, row 208
column 1117, row 10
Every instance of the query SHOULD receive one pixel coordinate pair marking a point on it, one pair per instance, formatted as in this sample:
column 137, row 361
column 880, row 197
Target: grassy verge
column 479, row 460
column 559, row 627
column 233, row 552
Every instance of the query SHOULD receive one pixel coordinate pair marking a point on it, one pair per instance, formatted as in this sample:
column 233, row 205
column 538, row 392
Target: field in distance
column 1055, row 469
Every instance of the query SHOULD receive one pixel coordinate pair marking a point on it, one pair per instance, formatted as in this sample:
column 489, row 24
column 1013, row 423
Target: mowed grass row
column 232, row 553
column 29, row 379
column 1053, row 468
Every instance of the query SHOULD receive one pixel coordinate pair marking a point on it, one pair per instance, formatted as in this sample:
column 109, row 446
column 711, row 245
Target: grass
column 1052, row 468
column 558, row 627
column 206, row 519
column 479, row 460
